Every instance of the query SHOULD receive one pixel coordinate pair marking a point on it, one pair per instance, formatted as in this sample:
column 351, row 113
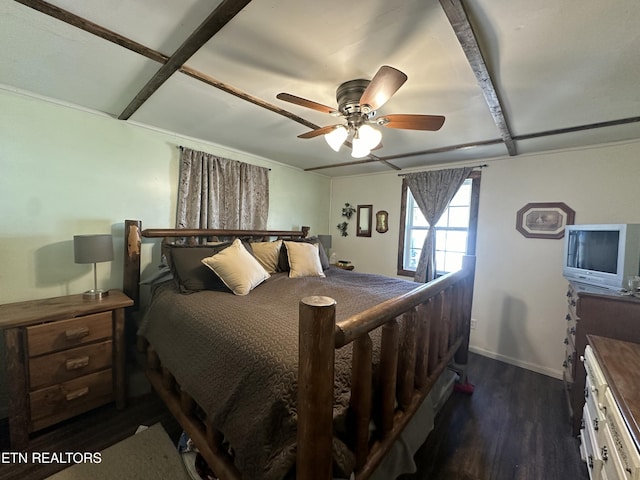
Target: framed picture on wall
column 544, row 220
column 365, row 216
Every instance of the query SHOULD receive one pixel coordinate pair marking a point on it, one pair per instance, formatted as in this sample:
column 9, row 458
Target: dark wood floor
column 513, row 427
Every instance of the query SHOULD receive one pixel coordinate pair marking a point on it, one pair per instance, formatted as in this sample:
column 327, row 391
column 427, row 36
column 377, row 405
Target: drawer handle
column 81, row 392
column 76, row 333
column 76, row 363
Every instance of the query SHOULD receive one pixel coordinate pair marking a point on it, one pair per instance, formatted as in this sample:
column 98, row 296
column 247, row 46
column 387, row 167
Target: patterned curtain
column 216, row 192
column 433, row 191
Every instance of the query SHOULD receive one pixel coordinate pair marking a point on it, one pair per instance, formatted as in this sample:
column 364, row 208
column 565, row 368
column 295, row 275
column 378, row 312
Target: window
column 455, row 231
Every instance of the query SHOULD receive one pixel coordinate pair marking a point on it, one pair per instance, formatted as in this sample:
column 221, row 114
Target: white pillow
column 304, row 260
column 267, row 254
column 237, row 268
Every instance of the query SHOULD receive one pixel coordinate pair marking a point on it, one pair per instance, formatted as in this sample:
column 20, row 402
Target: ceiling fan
column 358, row 102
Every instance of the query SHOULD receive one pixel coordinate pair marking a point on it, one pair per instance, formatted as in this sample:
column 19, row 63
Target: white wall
column 519, row 300
column 65, row 171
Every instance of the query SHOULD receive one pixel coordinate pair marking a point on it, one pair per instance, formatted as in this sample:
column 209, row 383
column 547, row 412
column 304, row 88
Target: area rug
column 147, row 455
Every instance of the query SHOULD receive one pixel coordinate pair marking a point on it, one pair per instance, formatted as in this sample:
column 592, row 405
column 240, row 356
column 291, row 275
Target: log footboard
column 435, row 320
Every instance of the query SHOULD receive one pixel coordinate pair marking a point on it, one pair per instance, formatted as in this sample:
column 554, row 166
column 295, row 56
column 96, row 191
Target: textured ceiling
column 554, row 66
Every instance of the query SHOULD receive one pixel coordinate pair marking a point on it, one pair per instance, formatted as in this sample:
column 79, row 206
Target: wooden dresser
column 64, row 356
column 593, row 311
column 610, row 427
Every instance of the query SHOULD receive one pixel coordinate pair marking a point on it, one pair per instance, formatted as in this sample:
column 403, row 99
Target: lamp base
column 95, row 294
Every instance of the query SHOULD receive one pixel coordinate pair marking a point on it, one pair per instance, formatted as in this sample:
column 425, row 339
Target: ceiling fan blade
column 411, row 122
column 318, row 131
column 383, row 85
column 303, row 102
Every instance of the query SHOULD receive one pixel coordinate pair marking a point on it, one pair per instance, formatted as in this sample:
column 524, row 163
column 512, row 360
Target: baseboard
column 518, row 363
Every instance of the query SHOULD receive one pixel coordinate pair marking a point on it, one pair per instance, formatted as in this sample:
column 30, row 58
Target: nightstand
column 64, row 356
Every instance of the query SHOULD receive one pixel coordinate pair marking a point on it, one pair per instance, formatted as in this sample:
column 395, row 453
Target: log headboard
column 133, row 234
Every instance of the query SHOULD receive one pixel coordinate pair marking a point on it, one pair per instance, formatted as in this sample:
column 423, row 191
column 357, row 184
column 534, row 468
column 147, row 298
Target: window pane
column 456, row 242
column 459, row 216
column 418, row 219
column 444, row 220
column 412, row 253
column 463, row 196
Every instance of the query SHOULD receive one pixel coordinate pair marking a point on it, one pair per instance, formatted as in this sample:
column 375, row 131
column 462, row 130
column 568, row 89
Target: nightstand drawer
column 69, row 364
column 53, row 404
column 50, row 337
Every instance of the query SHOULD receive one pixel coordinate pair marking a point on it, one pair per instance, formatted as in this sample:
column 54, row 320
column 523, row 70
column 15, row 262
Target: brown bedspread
column 237, row 357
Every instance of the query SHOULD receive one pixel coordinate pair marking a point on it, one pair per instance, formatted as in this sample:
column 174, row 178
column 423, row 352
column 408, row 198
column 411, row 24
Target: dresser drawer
column 620, row 445
column 568, row 363
column 589, row 447
column 68, row 364
column 50, row 337
column 56, row 403
column 596, row 415
column 591, row 366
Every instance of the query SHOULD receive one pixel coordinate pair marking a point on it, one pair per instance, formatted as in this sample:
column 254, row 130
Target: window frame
column 475, row 177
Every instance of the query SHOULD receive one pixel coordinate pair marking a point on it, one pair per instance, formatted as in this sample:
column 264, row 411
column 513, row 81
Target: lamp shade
column 93, row 248
column 370, row 136
column 336, row 137
column 325, row 241
column 359, row 148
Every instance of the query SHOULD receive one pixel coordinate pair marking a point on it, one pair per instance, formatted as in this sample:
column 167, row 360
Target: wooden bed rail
column 194, row 233
column 422, row 332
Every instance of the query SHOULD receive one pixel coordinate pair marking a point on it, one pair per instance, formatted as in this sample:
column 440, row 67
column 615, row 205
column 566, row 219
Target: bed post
column 462, row 355
column 315, row 388
column 131, row 272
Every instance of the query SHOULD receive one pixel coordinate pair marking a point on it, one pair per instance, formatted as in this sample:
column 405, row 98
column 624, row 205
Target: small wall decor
column 382, row 221
column 544, row 220
column 365, row 215
column 348, row 210
column 343, row 228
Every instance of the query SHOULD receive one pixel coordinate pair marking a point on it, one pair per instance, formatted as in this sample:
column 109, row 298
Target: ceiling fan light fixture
column 336, row 137
column 370, row 136
column 359, row 148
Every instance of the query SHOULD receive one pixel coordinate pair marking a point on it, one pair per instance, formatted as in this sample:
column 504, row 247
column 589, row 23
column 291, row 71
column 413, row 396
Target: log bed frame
column 436, row 333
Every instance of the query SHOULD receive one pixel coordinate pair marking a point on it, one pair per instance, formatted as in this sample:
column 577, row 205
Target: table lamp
column 93, row 249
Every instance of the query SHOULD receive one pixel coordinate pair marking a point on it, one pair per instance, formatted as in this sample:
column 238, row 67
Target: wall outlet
column 473, row 323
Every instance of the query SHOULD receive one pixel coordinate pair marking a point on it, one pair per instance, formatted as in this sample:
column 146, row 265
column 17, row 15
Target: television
column 601, row 255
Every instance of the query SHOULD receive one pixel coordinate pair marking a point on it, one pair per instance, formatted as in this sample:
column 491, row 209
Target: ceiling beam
column 225, row 87
column 113, row 37
column 578, row 128
column 483, row 143
column 386, row 159
column 222, row 15
column 462, row 27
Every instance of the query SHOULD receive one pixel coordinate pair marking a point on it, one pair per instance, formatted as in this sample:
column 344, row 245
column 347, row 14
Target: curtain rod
column 181, row 148
column 484, row 165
